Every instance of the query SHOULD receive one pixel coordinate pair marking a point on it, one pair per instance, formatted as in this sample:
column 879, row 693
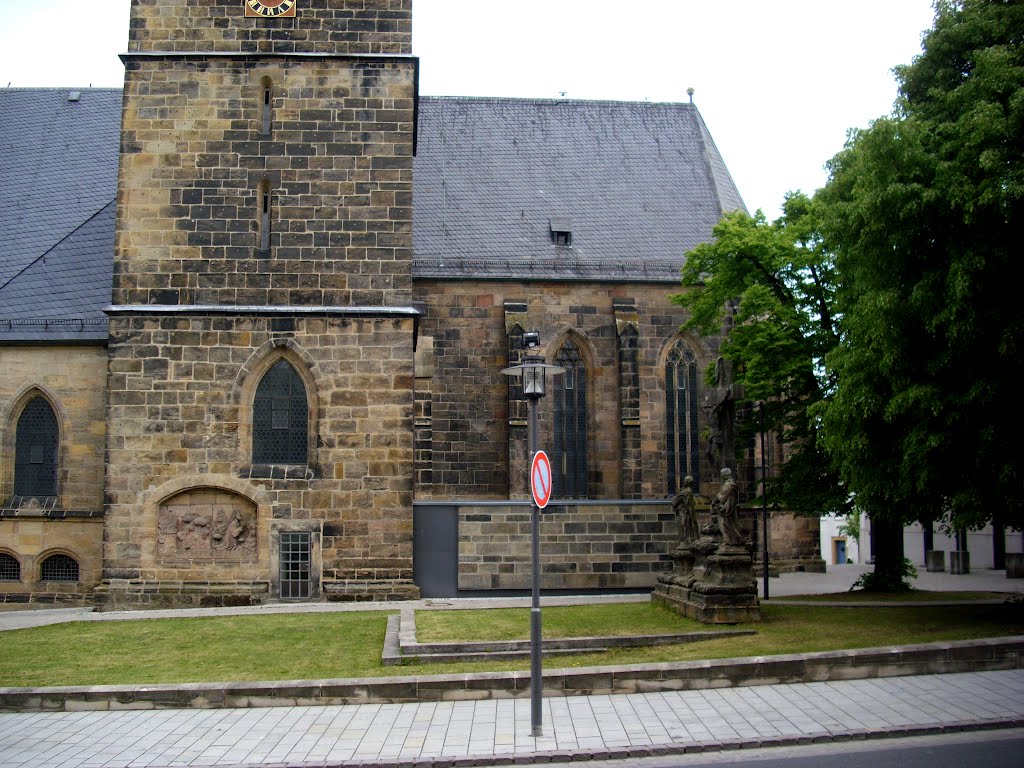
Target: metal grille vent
column 10, row 568
column 296, row 555
column 59, row 568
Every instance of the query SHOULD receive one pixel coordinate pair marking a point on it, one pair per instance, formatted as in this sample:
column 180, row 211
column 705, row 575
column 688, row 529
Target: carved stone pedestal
column 719, row 590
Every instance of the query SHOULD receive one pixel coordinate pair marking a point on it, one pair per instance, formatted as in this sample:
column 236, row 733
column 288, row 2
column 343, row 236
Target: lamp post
column 764, row 507
column 532, row 371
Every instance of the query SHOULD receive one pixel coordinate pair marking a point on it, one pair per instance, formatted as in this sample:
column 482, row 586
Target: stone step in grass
column 400, row 644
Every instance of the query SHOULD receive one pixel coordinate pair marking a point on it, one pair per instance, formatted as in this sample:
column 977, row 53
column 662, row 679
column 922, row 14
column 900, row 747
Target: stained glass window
column 280, row 423
column 35, row 451
column 570, row 454
column 683, row 440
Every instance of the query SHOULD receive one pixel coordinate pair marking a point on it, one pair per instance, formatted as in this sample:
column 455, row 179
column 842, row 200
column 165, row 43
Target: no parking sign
column 540, row 479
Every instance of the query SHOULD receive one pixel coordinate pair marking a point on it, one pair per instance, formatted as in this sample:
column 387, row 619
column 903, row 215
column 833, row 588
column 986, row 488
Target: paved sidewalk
column 498, row 731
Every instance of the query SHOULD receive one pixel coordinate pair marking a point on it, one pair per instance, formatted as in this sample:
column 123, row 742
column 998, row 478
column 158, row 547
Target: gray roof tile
column 58, row 165
column 642, row 183
column 639, row 184
column 61, row 295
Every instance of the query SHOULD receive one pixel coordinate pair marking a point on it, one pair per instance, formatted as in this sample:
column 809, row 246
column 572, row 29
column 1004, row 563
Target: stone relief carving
column 208, row 526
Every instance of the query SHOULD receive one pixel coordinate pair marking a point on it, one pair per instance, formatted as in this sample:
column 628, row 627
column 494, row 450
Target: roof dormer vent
column 74, row 95
column 561, row 232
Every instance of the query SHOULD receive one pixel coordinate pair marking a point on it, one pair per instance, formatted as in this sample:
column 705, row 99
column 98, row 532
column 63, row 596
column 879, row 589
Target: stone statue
column 686, row 516
column 720, row 404
column 236, row 531
column 726, row 507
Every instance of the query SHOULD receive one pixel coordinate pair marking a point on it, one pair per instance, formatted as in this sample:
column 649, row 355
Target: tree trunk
column 888, row 553
column 998, row 543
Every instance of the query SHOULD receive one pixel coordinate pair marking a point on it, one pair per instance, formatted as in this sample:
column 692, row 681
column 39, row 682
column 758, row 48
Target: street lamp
column 764, row 507
column 533, row 373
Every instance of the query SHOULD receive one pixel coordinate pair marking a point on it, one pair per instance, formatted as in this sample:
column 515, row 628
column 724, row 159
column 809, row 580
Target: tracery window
column 280, row 423
column 35, row 450
column 683, row 439
column 59, row 568
column 570, row 454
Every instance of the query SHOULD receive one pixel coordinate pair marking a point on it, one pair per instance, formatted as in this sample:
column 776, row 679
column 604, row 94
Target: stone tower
column 260, row 405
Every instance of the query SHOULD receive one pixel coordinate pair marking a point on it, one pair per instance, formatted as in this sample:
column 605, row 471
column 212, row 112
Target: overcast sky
column 778, row 82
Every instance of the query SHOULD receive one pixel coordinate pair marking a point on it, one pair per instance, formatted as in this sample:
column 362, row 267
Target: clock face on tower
column 270, row 9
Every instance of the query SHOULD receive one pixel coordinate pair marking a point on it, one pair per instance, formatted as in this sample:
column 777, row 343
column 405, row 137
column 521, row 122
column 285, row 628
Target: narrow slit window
column 265, row 205
column 267, row 106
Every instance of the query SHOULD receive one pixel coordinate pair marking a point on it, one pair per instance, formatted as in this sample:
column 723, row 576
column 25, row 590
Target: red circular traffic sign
column 540, row 479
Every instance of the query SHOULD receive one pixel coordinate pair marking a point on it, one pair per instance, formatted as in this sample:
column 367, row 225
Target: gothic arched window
column 570, row 455
column 683, row 440
column 35, row 450
column 280, row 417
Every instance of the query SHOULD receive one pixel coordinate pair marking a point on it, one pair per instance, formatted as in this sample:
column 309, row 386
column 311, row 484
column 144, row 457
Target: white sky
column 778, row 82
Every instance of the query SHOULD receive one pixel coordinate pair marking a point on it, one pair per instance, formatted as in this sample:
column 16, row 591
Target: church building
column 255, row 306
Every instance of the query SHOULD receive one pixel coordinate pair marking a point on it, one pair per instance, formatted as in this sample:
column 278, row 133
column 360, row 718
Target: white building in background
column 979, row 544
column 838, row 547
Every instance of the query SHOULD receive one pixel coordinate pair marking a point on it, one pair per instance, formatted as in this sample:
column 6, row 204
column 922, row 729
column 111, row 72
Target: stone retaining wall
column 865, row 663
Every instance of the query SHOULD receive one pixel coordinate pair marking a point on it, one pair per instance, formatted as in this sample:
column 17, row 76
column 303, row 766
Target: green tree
column 777, row 284
column 923, row 213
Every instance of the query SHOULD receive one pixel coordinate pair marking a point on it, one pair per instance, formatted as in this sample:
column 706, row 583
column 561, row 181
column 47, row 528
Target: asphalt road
column 981, row 749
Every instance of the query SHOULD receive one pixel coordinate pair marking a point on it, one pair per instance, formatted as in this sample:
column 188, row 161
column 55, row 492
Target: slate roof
column 58, row 182
column 639, row 183
column 61, row 295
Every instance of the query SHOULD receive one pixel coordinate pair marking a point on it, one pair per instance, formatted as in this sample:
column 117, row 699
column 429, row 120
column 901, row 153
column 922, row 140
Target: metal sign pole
column 536, row 717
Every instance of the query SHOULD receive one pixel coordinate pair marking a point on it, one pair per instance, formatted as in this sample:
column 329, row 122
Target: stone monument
column 713, row 578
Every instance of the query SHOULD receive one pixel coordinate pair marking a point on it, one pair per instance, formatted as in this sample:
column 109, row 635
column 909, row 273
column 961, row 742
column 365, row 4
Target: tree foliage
column 881, row 320
column 777, row 285
column 923, row 213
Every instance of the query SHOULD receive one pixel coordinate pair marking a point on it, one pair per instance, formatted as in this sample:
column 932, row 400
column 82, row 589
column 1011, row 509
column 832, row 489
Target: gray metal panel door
column 435, row 550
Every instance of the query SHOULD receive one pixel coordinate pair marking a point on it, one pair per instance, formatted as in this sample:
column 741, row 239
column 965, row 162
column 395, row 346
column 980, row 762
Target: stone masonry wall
column 469, row 418
column 337, row 163
column 180, row 416
column 31, row 536
column 72, row 379
column 582, row 546
column 594, row 545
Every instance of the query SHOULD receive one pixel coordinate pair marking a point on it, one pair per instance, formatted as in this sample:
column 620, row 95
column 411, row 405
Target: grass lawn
column 328, row 645
column 914, row 596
